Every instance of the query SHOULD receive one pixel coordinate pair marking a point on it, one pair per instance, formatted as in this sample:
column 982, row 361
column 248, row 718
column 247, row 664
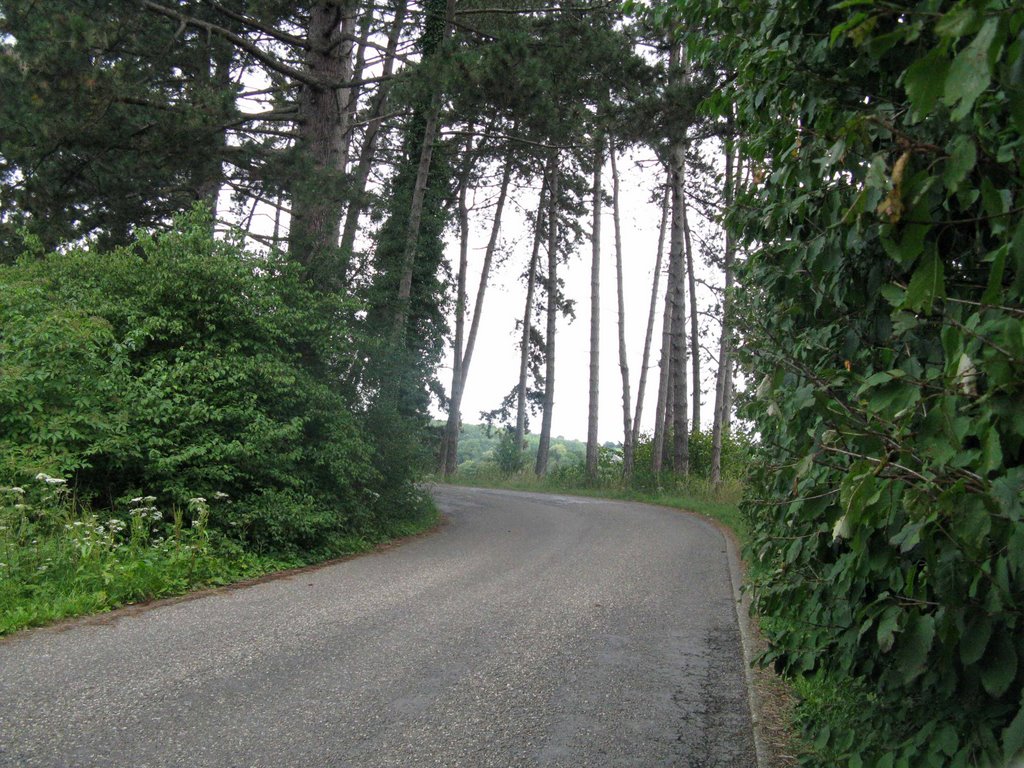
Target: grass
column 58, row 560
column 692, row 494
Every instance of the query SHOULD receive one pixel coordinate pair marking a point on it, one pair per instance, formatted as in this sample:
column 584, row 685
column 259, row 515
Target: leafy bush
column 186, row 367
column 884, row 326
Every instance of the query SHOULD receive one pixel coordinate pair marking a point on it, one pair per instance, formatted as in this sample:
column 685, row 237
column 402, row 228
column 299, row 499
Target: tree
column 627, row 427
column 595, row 314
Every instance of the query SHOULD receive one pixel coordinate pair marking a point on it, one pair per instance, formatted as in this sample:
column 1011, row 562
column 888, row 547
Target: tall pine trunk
column 651, row 314
column 367, row 150
column 451, row 431
column 450, row 444
column 419, row 192
column 680, row 428
column 627, row 431
column 531, row 281
column 314, row 227
column 694, row 321
column 723, row 382
column 662, row 420
column 543, row 447
column 595, row 317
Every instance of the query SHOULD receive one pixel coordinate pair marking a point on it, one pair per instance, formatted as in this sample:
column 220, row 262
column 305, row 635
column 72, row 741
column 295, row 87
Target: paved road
column 529, row 631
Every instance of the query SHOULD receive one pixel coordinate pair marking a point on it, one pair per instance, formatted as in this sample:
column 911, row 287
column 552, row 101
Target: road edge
column 128, row 610
column 741, row 602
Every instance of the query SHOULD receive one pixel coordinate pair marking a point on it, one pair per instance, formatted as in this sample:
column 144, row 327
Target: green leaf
column 994, row 290
column 1009, row 493
column 882, row 377
column 1013, row 736
column 963, row 155
column 908, row 537
column 859, row 492
column 970, row 72
column 887, row 626
column 915, row 643
column 959, row 22
column 893, row 294
column 925, row 82
column 975, row 639
column 991, row 452
column 1000, row 667
column 927, row 284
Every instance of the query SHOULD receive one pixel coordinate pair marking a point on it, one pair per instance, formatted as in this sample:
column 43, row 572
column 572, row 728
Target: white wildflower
column 149, row 499
column 220, row 495
column 56, row 481
column 136, row 500
column 197, row 500
column 156, row 514
column 42, row 477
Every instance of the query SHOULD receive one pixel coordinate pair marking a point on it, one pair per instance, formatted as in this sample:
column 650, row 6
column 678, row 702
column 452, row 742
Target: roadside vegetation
column 488, row 459
column 851, row 175
column 170, row 419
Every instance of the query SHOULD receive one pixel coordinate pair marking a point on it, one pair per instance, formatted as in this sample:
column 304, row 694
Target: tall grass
column 59, row 559
column 694, row 493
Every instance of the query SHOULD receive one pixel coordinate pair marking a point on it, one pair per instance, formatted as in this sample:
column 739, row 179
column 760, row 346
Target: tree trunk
column 723, row 383
column 627, row 427
column 451, row 442
column 450, row 439
column 531, row 279
column 367, row 151
column 694, row 320
column 661, row 422
column 419, row 193
column 595, row 317
column 314, row 227
column 552, row 313
column 642, row 385
column 680, row 429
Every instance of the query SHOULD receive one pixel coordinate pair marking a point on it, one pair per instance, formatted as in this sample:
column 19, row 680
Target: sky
column 495, row 365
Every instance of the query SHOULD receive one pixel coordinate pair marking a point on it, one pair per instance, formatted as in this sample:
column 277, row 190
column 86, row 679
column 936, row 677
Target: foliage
column 59, row 560
column 185, row 367
column 56, row 560
column 480, row 448
column 883, row 321
column 112, row 120
column 737, row 450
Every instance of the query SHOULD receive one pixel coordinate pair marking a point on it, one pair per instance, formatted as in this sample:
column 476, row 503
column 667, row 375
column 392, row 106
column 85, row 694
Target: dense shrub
column 185, row 367
column 884, row 331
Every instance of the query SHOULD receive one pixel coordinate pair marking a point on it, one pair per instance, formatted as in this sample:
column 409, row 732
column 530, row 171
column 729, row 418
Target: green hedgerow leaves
column 185, row 367
column 971, row 72
column 882, row 303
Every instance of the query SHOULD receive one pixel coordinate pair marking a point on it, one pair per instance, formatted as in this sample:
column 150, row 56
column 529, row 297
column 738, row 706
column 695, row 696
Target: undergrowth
column 59, row 559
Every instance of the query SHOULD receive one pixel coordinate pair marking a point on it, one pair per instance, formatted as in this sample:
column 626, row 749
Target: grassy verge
column 59, row 561
column 694, row 494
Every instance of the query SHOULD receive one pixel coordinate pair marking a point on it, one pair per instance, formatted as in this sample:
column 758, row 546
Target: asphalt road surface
column 529, row 631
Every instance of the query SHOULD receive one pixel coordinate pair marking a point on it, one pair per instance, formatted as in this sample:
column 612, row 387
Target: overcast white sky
column 495, row 364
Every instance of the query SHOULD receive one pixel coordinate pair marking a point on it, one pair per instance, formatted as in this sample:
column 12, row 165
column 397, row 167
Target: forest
column 238, row 239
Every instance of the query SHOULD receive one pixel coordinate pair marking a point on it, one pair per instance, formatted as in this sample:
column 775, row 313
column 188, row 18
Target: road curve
column 530, row 631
